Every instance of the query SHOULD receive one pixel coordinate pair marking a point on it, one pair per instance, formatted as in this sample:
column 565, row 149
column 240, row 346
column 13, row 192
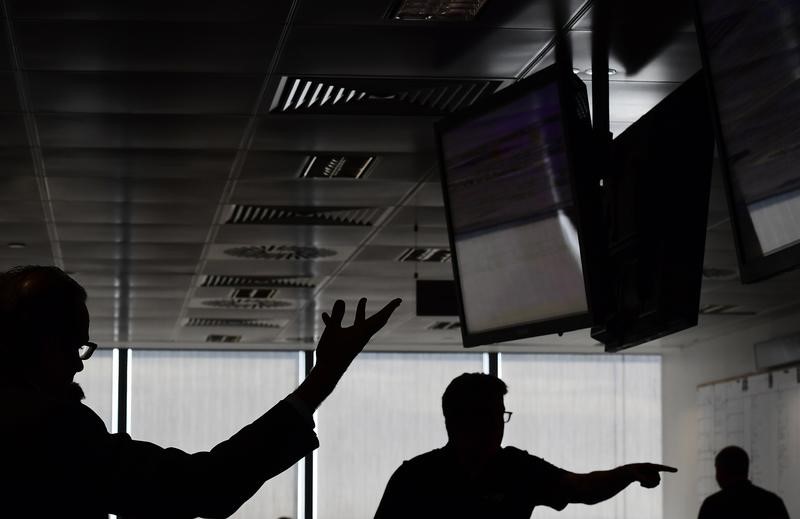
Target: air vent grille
column 428, row 254
column 254, row 293
column 238, row 323
column 373, row 96
column 337, row 166
column 224, row 338
column 269, row 215
column 438, row 10
column 257, row 281
column 444, row 325
column 279, row 252
column 724, row 310
column 248, row 304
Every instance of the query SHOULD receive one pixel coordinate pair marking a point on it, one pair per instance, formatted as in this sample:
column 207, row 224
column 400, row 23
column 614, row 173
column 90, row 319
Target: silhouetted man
column 739, row 498
column 58, row 460
column 473, row 477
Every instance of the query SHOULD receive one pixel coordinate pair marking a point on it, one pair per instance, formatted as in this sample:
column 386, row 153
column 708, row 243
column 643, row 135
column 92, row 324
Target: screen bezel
column 549, row 75
column 751, row 269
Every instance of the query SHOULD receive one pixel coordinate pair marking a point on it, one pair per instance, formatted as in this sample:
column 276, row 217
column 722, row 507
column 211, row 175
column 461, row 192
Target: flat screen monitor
column 511, row 187
column 657, row 195
column 751, row 52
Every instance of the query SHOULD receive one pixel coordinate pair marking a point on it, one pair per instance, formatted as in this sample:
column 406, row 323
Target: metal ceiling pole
column 601, row 18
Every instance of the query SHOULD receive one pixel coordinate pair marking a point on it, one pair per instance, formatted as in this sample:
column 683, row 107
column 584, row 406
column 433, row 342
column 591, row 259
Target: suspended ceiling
column 134, row 134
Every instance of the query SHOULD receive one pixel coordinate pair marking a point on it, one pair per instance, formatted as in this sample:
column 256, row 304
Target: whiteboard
column 760, row 413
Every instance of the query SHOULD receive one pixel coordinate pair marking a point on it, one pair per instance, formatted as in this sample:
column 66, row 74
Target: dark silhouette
column 739, row 498
column 58, row 460
column 473, row 477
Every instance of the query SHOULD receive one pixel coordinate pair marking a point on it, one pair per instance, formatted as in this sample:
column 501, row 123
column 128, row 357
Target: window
column 588, row 412
column 195, row 399
column 386, row 409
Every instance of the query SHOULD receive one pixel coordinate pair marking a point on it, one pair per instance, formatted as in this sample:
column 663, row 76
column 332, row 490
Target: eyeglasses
column 85, row 350
column 507, row 416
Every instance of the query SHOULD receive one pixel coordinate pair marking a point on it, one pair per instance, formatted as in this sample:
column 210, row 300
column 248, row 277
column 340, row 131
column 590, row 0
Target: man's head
column 732, row 465
column 473, row 411
column 43, row 323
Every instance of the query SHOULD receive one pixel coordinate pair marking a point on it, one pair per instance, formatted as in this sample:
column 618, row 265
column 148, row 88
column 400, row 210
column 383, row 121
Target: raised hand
column 649, row 474
column 338, row 346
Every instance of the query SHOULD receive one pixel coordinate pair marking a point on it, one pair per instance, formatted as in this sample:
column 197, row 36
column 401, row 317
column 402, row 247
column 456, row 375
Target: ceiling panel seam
column 34, row 143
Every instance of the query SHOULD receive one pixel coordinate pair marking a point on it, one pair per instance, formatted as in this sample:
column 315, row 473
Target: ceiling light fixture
column 17, row 245
column 438, row 10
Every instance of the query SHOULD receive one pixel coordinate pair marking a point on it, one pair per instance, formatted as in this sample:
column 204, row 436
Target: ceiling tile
column 150, row 190
column 12, row 131
column 134, row 267
column 442, row 51
column 9, row 100
column 147, row 284
column 152, row 10
column 28, row 232
column 240, row 48
column 518, row 15
column 18, row 188
column 295, row 234
column 21, row 210
column 139, row 131
column 329, row 133
column 15, row 162
column 141, row 93
column 324, row 192
column 419, row 215
column 131, row 251
column 386, row 166
column 234, row 267
column 136, row 163
column 165, row 213
column 406, row 236
column 132, row 233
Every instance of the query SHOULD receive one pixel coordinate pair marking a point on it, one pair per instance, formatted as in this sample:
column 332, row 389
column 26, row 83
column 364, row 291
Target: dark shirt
column 743, row 501
column 58, row 460
column 435, row 485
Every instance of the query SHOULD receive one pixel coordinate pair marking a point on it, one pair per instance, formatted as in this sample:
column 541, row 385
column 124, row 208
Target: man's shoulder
column 519, row 456
column 764, row 494
column 435, row 456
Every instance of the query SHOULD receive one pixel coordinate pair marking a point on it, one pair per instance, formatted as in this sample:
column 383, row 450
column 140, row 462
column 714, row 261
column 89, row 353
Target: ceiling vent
column 724, row 310
column 425, row 254
column 337, row 166
column 248, row 304
column 224, row 338
column 444, row 325
column 238, row 323
column 438, row 10
column 254, row 293
column 257, row 281
column 279, row 252
column 281, row 215
column 377, row 96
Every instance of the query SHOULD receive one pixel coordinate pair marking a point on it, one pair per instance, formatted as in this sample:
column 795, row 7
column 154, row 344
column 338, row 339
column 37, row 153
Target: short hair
column 733, row 460
column 465, row 389
column 33, row 298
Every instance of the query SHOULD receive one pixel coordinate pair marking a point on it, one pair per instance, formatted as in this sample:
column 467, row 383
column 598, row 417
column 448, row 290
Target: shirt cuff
column 302, row 409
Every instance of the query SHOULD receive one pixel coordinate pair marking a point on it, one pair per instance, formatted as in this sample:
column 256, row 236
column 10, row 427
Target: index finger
column 382, row 316
column 664, row 468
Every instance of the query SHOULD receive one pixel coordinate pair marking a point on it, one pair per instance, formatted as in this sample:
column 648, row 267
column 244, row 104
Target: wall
column 683, row 370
